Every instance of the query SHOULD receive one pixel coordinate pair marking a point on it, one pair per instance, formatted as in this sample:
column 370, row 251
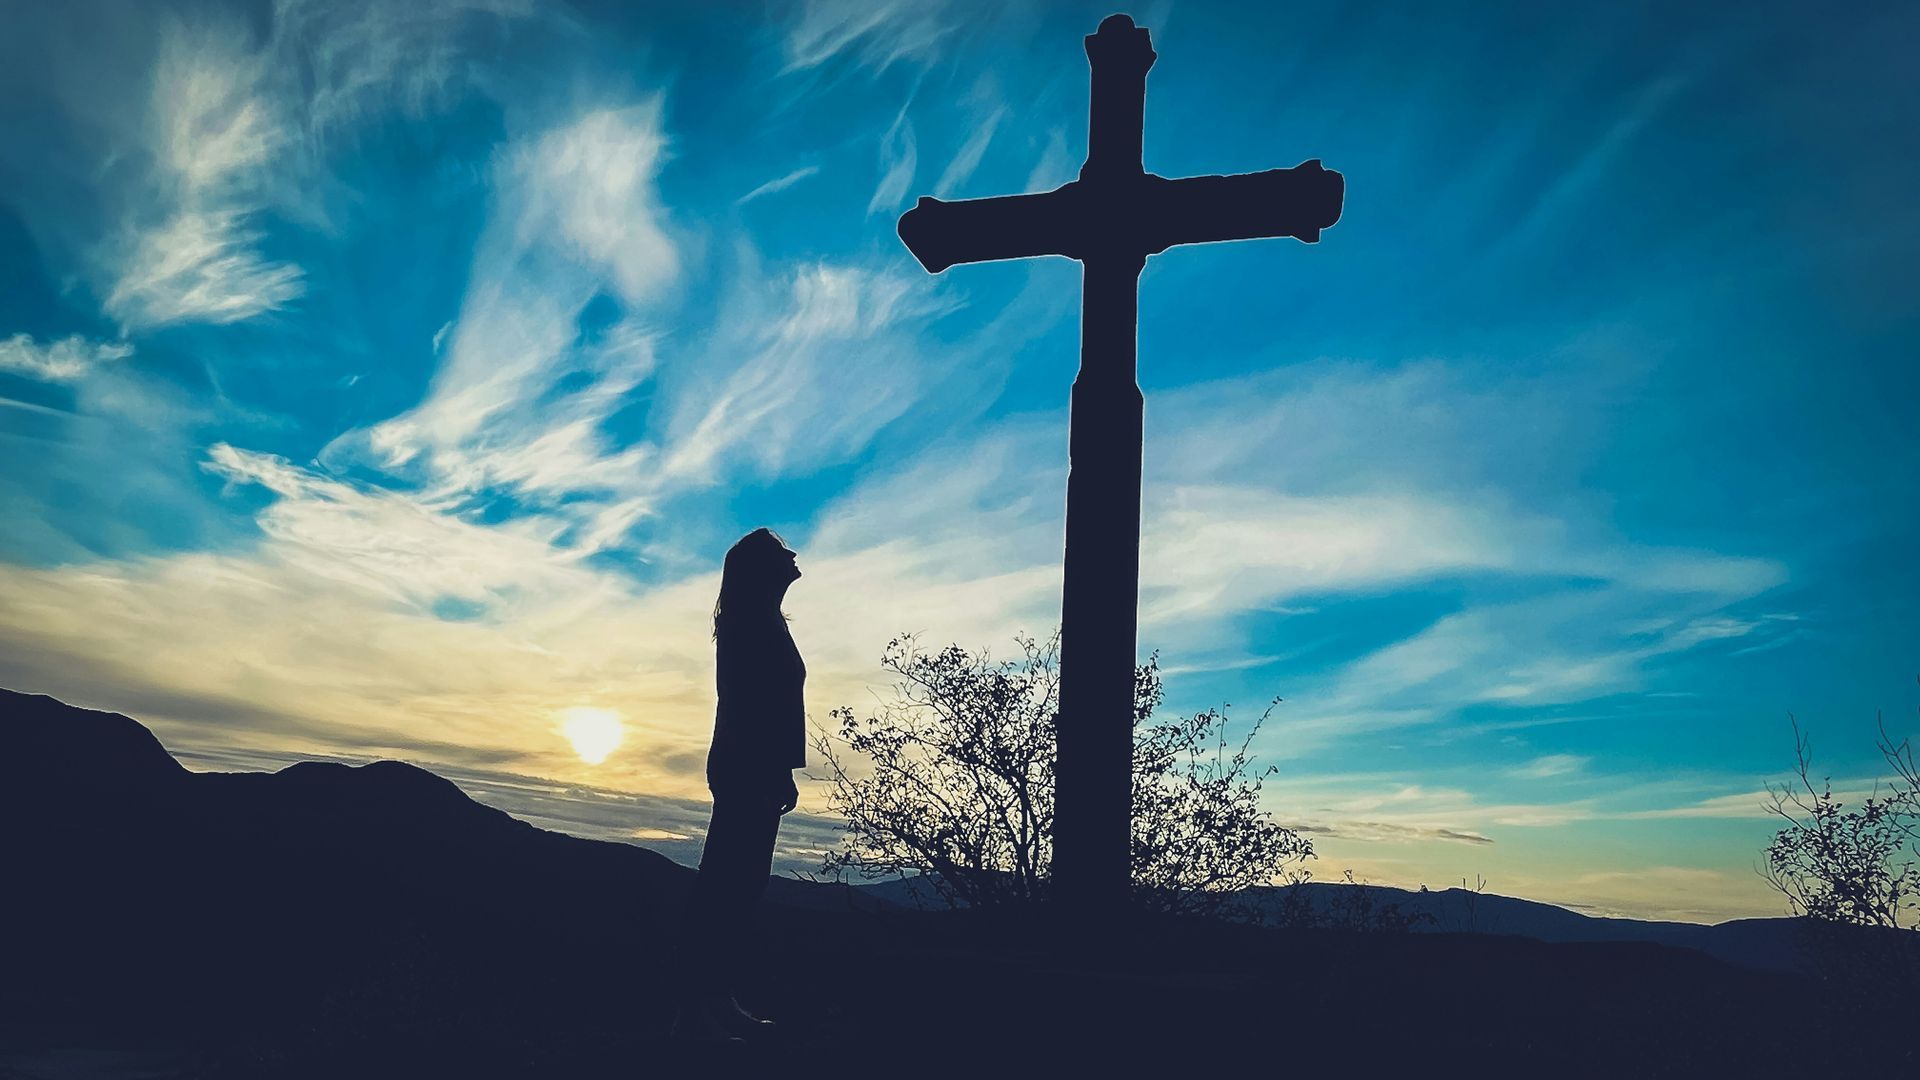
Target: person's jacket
column 760, row 724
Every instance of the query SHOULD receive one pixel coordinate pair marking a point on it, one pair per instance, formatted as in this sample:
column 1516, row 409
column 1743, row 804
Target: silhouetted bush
column 953, row 779
column 1849, row 866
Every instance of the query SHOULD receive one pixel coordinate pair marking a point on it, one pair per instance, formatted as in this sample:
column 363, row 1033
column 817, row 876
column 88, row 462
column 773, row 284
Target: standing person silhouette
column 759, row 738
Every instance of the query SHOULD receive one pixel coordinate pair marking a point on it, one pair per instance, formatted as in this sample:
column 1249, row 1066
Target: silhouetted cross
column 1111, row 218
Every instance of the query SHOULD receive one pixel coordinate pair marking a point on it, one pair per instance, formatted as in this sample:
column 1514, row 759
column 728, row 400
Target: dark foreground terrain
column 330, row 921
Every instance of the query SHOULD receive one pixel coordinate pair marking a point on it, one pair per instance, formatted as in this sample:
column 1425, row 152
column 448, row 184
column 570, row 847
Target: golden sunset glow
column 594, row 733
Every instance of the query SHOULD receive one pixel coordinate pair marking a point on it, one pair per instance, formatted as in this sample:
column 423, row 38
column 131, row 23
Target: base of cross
column 1092, row 934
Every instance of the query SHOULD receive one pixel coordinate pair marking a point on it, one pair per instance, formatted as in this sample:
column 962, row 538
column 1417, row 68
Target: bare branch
column 957, row 784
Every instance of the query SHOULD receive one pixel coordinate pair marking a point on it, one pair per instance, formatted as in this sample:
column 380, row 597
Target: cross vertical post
column 1110, row 219
column 1099, row 603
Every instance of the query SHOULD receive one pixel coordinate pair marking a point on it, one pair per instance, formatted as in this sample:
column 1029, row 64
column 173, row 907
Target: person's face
column 789, row 564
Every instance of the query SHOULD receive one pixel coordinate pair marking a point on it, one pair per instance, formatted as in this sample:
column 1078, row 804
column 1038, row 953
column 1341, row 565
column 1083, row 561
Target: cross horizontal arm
column 1296, row 202
column 1125, row 216
column 942, row 234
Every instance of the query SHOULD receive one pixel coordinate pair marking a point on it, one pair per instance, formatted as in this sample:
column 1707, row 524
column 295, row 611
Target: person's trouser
column 734, row 867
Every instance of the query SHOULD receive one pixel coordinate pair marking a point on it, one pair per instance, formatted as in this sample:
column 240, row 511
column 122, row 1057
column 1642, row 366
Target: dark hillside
column 336, row 921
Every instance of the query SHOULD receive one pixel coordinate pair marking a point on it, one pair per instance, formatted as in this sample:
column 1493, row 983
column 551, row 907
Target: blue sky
column 388, row 380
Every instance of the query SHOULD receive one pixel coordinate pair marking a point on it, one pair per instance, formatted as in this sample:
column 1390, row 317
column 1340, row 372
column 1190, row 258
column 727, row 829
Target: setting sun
column 594, row 733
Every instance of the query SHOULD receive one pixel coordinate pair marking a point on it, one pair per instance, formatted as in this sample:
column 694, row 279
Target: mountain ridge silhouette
column 1762, row 943
column 401, row 795
column 328, row 920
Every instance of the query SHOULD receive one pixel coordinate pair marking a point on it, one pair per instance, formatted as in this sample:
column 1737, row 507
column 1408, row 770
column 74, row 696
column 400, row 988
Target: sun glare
column 594, row 733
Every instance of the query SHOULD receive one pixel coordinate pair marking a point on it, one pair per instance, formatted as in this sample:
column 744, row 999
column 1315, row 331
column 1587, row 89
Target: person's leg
column 725, row 860
column 735, row 864
column 736, row 868
column 707, row 953
column 759, row 832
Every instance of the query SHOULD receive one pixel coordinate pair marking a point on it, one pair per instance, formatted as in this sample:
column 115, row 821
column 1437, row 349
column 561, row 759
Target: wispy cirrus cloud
column 1738, row 805
column 968, row 157
column 1389, row 809
column 878, row 34
column 1663, row 892
column 805, row 365
column 62, row 360
column 214, row 131
column 361, row 59
column 1548, row 766
column 834, row 365
column 593, row 181
column 398, row 546
column 778, row 184
column 1055, row 165
column 204, row 131
column 899, row 157
column 520, row 400
column 1753, row 801
column 1370, row 831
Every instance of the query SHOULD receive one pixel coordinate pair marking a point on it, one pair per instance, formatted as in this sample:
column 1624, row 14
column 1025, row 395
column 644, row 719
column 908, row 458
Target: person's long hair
column 749, row 581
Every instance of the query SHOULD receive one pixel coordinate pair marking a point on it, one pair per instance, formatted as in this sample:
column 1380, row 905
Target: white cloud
column 236, row 126
column 521, row 401
column 364, row 57
column 1377, row 831
column 1548, row 766
column 1751, row 803
column 1562, row 199
column 30, row 407
column 1742, row 804
column 1675, row 893
column 1055, row 165
column 403, row 548
column 899, row 157
column 210, row 125
column 592, row 180
column 879, row 33
column 522, row 395
column 967, row 158
column 1563, row 646
column 833, row 367
column 213, row 130
column 199, row 266
column 1210, row 548
column 64, row 360
column 1383, row 809
column 778, row 184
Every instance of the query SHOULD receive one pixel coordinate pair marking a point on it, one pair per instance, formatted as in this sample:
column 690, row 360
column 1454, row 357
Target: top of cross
column 1117, row 209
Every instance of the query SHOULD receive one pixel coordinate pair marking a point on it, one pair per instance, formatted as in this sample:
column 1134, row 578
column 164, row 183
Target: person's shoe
column 745, row 1023
column 706, row 1021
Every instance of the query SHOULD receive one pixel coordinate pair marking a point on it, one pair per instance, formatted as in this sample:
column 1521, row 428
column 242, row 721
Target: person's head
column 754, row 577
